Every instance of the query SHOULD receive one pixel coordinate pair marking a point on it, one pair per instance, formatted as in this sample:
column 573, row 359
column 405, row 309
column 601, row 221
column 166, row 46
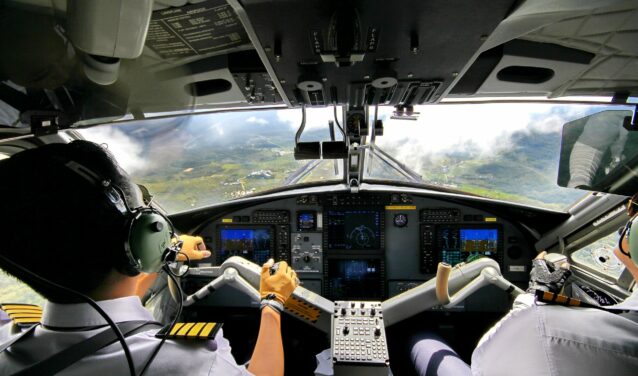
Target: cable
column 170, row 274
column 303, row 124
column 91, row 302
column 337, row 121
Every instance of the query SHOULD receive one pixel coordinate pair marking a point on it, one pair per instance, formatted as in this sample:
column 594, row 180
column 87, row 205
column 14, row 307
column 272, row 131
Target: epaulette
column 190, row 330
column 558, row 299
column 23, row 315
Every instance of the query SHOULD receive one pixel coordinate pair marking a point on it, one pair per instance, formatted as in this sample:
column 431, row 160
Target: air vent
column 525, row 75
column 208, row 87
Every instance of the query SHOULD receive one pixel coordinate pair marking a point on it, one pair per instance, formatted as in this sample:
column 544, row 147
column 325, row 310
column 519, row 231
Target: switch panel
column 306, row 252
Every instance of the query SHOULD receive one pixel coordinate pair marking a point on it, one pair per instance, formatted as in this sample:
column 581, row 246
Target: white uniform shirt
column 177, row 357
column 556, row 340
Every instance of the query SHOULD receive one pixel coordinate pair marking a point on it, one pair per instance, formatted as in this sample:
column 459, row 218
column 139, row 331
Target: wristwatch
column 269, row 300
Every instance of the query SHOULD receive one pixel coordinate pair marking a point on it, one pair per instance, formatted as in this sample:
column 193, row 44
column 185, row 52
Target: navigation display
column 354, row 229
column 354, row 279
column 254, row 244
column 464, row 244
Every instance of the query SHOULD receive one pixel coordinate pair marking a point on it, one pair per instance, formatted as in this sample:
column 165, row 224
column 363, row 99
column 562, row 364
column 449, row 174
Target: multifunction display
column 355, row 278
column 459, row 244
column 254, row 244
column 354, row 229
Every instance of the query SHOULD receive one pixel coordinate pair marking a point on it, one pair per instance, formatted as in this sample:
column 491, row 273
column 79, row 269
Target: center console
column 354, row 247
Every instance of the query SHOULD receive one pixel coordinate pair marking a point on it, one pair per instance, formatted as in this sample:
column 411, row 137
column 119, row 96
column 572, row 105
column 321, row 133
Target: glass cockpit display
column 354, row 229
column 307, row 220
column 354, row 278
column 459, row 244
column 254, row 244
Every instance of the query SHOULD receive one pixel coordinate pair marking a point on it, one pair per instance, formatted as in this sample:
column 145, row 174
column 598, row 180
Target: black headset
column 147, row 232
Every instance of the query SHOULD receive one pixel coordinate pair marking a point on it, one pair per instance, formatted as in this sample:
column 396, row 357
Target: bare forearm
column 268, row 356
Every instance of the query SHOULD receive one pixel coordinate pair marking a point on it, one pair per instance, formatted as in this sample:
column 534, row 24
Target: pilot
column 538, row 339
column 63, row 223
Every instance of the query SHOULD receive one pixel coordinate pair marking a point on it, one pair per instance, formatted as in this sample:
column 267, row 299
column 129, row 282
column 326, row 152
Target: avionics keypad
column 358, row 337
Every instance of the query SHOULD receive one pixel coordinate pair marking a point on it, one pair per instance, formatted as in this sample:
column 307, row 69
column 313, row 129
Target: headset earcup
column 633, row 241
column 149, row 239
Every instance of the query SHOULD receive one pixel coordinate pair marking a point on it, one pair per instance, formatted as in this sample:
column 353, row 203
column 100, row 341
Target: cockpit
column 409, row 161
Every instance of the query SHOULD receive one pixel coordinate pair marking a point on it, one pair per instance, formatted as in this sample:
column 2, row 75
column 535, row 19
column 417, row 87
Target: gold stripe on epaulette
column 196, row 329
column 33, row 320
column 22, row 313
column 25, row 315
column 19, row 306
column 191, row 330
column 207, row 329
column 184, row 330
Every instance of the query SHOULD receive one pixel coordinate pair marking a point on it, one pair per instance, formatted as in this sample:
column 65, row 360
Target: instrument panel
column 368, row 246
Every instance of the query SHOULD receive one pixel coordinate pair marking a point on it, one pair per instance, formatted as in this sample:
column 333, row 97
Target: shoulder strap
column 16, row 338
column 73, row 354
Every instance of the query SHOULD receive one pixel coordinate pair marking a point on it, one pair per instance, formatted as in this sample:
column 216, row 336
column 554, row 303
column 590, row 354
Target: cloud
column 127, row 151
column 256, row 120
column 316, row 118
column 476, row 130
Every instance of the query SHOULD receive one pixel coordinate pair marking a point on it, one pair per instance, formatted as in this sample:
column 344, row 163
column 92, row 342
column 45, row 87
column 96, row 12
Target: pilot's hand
column 544, row 278
column 280, row 285
column 193, row 247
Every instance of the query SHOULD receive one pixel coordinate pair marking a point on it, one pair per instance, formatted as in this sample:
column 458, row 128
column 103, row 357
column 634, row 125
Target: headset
column 631, row 232
column 147, row 233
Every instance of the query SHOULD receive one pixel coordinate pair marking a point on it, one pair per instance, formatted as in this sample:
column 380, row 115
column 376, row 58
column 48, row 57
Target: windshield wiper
column 394, row 164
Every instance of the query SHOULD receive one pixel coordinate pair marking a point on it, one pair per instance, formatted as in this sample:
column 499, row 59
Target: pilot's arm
column 193, row 248
column 275, row 289
column 515, row 345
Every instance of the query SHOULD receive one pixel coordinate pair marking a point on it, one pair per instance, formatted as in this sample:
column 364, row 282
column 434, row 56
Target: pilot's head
column 56, row 223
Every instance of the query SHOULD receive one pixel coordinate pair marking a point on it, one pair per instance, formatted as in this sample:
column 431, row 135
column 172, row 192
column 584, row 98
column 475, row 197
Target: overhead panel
column 370, row 52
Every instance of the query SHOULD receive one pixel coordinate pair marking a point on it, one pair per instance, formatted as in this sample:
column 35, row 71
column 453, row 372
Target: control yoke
column 463, row 280
column 244, row 276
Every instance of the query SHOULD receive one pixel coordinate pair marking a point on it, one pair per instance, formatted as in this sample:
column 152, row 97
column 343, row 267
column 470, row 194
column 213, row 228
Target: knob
column 372, row 311
column 346, row 330
column 306, row 258
column 352, row 305
column 343, row 311
column 363, row 304
column 377, row 330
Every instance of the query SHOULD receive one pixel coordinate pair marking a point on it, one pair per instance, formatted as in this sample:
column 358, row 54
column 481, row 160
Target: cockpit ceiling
column 605, row 29
column 319, row 53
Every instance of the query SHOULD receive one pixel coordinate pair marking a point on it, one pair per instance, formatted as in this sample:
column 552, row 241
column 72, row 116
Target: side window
column 598, row 257
column 13, row 290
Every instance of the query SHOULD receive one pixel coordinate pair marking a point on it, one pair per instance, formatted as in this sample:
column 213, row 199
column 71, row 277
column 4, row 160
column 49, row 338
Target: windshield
column 193, row 161
column 503, row 151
